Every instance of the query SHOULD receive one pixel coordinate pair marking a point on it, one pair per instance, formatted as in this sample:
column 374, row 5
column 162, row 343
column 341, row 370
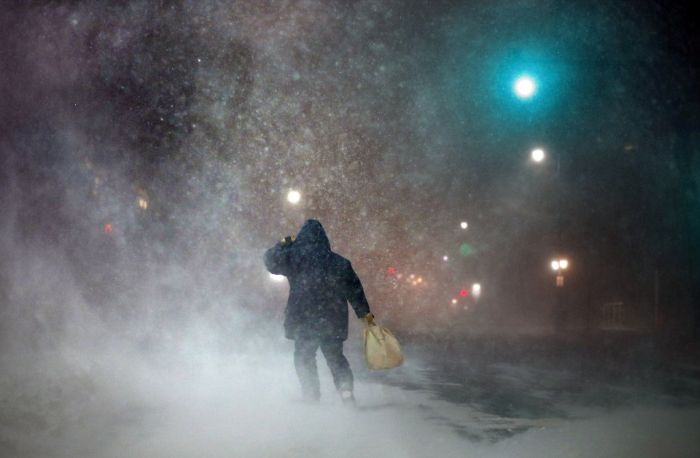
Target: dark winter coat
column 321, row 284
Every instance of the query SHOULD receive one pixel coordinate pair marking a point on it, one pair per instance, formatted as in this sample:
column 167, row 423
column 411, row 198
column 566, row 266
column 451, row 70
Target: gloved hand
column 369, row 319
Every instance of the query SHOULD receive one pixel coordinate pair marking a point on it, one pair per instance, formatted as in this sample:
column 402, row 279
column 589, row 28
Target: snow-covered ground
column 117, row 400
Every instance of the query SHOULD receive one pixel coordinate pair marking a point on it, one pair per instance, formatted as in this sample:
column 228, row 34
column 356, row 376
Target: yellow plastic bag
column 382, row 350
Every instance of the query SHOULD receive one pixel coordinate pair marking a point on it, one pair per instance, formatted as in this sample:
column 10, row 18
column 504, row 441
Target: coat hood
column 312, row 234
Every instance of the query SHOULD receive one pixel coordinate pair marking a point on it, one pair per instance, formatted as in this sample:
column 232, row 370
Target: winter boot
column 347, row 397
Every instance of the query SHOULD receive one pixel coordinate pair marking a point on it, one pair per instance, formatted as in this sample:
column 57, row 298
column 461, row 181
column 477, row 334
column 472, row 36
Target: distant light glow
column 464, row 225
column 277, row 278
column 445, row 258
column 537, row 155
column 525, row 87
column 464, row 292
column 293, row 197
column 108, row 228
column 555, row 265
column 391, row 270
column 476, row 290
column 454, row 301
column 143, row 203
column 563, row 263
column 466, row 249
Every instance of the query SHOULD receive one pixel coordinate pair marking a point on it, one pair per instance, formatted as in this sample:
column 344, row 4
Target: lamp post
column 539, row 156
column 476, row 291
column 559, row 266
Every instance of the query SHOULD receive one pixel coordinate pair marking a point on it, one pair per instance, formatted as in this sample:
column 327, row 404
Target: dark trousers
column 305, row 364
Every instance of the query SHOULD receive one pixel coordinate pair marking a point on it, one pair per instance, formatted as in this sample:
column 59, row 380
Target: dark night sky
column 396, row 120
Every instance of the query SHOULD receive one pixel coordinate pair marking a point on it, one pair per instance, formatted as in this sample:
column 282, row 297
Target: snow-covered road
column 194, row 402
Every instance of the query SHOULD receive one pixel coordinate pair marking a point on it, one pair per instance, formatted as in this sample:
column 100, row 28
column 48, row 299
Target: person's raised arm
column 277, row 258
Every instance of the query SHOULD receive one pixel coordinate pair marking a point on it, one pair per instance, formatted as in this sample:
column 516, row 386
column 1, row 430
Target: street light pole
column 559, row 266
column 538, row 155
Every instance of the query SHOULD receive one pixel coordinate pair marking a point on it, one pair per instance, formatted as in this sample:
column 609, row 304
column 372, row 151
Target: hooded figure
column 321, row 283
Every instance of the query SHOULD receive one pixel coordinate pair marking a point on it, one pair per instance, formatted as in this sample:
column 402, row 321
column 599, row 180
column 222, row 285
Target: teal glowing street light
column 525, row 87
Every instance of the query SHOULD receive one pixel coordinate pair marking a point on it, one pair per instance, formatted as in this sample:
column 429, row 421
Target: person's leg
column 338, row 364
column 305, row 364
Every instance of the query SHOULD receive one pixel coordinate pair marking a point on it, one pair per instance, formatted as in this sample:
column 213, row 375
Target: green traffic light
column 466, row 249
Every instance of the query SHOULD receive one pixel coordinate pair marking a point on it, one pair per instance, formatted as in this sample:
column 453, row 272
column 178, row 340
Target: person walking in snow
column 321, row 284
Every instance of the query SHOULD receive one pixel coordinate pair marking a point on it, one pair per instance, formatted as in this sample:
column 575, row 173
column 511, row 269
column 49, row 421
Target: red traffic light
column 464, row 292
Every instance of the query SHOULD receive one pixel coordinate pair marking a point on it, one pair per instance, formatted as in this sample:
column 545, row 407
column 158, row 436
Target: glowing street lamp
column 559, row 265
column 293, row 197
column 464, row 225
column 476, row 290
column 537, row 155
column 525, row 87
column 445, row 258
